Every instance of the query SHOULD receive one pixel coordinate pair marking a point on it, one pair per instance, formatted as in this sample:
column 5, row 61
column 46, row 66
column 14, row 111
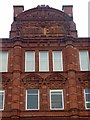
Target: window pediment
column 31, row 77
column 56, row 76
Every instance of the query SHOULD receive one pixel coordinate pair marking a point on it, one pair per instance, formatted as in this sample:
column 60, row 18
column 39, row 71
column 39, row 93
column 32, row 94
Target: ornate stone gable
column 41, row 21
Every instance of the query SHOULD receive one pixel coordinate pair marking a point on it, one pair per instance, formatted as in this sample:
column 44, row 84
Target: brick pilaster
column 72, row 67
column 17, row 58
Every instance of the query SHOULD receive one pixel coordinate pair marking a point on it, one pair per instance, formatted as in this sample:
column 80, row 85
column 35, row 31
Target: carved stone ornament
column 31, row 78
column 4, row 80
column 85, row 79
column 56, row 80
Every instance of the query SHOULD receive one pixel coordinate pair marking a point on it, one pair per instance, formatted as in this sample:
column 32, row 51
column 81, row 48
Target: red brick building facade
column 45, row 67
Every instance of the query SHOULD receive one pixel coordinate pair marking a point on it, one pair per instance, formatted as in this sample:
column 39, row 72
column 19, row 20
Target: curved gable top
column 42, row 21
column 45, row 13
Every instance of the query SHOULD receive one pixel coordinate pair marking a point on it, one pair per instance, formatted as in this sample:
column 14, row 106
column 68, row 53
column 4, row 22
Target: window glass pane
column 43, row 55
column 88, row 97
column 57, row 61
column 56, row 105
column 32, row 91
column 87, row 90
column 56, row 92
column 29, row 66
column 56, row 99
column 29, row 55
column 29, row 61
column 32, row 99
column 3, row 61
column 1, row 100
column 88, row 105
column 43, row 66
column 32, row 102
column 43, row 61
column 84, row 60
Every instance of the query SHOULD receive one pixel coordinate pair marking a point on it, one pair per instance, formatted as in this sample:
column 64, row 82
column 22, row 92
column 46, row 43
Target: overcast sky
column 80, row 13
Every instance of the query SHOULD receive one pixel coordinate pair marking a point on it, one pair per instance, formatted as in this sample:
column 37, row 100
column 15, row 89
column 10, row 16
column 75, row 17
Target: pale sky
column 80, row 13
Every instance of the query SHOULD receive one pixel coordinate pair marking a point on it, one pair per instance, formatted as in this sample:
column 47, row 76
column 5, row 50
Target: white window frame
column 85, row 99
column 60, row 90
column 44, row 70
column 6, row 66
column 61, row 61
column 87, row 61
column 38, row 101
column 2, row 91
column 26, row 61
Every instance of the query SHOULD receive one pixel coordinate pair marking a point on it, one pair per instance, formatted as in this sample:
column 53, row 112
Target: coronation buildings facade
column 44, row 67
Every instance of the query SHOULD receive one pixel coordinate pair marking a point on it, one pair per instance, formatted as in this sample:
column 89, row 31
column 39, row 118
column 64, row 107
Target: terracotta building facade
column 44, row 67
